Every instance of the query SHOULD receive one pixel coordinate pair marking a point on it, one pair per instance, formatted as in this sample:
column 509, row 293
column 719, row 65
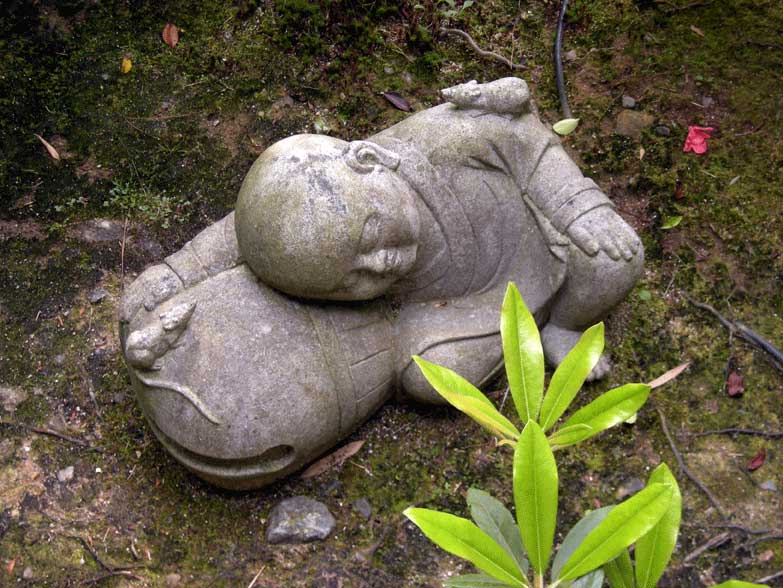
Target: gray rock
column 95, row 296
column 631, row 123
column 707, row 102
column 272, row 331
column 663, row 131
column 629, row 102
column 173, row 580
column 27, row 573
column 570, row 55
column 11, row 397
column 363, row 507
column 59, row 359
column 299, row 520
column 65, row 474
column 631, row 486
column 98, row 230
column 769, row 485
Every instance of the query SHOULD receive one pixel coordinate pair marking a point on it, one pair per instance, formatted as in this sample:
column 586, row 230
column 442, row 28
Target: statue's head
column 321, row 218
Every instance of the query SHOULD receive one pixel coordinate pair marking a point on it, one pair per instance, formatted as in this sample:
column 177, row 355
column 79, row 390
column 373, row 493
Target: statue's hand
column 602, row 229
column 154, row 286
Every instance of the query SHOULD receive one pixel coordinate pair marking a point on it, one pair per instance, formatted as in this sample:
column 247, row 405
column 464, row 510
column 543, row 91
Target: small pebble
column 65, row 474
column 388, row 69
column 662, row 131
column 769, row 485
column 59, row 359
column 632, row 486
column 27, row 574
column 363, row 507
column 97, row 295
column 299, row 520
column 173, row 580
column 707, row 102
column 570, row 55
column 629, row 102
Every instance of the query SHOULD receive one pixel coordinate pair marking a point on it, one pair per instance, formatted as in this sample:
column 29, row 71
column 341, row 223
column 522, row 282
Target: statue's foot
column 557, row 342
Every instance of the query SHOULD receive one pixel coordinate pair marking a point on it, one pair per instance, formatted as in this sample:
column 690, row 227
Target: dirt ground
column 143, row 144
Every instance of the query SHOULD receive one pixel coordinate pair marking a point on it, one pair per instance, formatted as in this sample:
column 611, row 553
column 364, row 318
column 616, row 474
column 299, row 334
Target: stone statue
column 279, row 329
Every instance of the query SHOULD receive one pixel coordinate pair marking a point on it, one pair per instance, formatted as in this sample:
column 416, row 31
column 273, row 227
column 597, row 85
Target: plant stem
column 538, row 581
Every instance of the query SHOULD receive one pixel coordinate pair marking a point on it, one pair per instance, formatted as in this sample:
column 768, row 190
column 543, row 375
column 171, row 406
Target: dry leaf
column 641, row 153
column 10, row 567
column 126, row 65
column 170, row 35
column 697, row 30
column 668, row 376
column 52, row 151
column 734, row 384
column 758, row 460
column 333, row 459
column 397, row 101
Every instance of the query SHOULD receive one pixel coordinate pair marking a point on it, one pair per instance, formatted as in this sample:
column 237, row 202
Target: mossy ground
column 165, row 147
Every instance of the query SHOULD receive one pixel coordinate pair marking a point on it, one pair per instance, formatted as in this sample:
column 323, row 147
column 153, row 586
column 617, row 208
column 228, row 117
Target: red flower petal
column 696, row 140
column 758, row 460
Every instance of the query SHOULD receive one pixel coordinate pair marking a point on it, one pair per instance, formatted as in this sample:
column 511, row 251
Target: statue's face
column 387, row 247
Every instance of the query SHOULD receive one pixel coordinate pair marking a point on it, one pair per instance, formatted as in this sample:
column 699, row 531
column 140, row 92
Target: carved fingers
column 602, row 229
column 154, row 286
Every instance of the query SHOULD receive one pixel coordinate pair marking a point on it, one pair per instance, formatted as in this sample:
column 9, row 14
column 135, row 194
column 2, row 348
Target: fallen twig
column 122, row 255
column 738, row 431
column 48, row 432
column 771, row 537
column 684, row 469
column 114, row 574
column 743, row 331
column 741, row 528
column 713, row 542
column 112, row 569
column 481, row 52
column 769, row 578
column 559, row 78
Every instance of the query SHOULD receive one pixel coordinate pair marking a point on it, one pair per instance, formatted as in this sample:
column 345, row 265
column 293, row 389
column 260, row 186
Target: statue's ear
column 364, row 157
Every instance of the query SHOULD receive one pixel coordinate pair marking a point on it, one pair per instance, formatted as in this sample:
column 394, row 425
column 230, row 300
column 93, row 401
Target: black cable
column 559, row 63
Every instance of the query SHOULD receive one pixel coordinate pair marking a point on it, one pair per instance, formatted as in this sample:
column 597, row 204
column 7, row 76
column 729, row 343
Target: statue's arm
column 574, row 204
column 213, row 250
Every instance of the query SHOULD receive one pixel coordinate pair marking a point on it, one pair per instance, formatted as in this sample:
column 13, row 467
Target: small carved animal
column 145, row 347
column 504, row 96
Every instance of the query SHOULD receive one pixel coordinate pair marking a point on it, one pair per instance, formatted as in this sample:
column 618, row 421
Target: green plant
column 596, row 548
column 146, row 205
column 524, row 359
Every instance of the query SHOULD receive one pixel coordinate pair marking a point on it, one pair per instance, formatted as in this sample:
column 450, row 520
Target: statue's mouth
column 234, row 474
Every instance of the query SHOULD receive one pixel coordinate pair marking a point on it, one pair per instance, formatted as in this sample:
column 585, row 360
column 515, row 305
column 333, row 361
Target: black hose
column 559, row 63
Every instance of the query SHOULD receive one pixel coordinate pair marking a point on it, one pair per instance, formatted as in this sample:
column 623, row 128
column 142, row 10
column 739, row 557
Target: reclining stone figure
column 279, row 329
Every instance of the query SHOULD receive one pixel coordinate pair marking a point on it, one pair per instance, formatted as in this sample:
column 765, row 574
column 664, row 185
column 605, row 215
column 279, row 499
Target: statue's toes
column 601, row 369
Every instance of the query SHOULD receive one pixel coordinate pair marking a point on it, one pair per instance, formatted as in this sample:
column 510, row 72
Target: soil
column 159, row 152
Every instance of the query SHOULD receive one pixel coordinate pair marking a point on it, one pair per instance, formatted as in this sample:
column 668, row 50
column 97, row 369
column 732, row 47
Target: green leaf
column 576, row 535
column 466, row 397
column 654, row 549
column 496, row 521
column 464, row 539
column 619, row 571
column 739, row 584
column 474, row 581
column 523, row 355
column 604, row 412
column 564, row 436
column 535, row 494
column 671, row 222
column 594, row 579
column 571, row 374
column 565, row 126
column 621, row 527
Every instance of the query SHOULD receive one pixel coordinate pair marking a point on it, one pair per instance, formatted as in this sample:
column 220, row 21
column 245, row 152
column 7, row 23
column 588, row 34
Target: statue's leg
column 593, row 286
